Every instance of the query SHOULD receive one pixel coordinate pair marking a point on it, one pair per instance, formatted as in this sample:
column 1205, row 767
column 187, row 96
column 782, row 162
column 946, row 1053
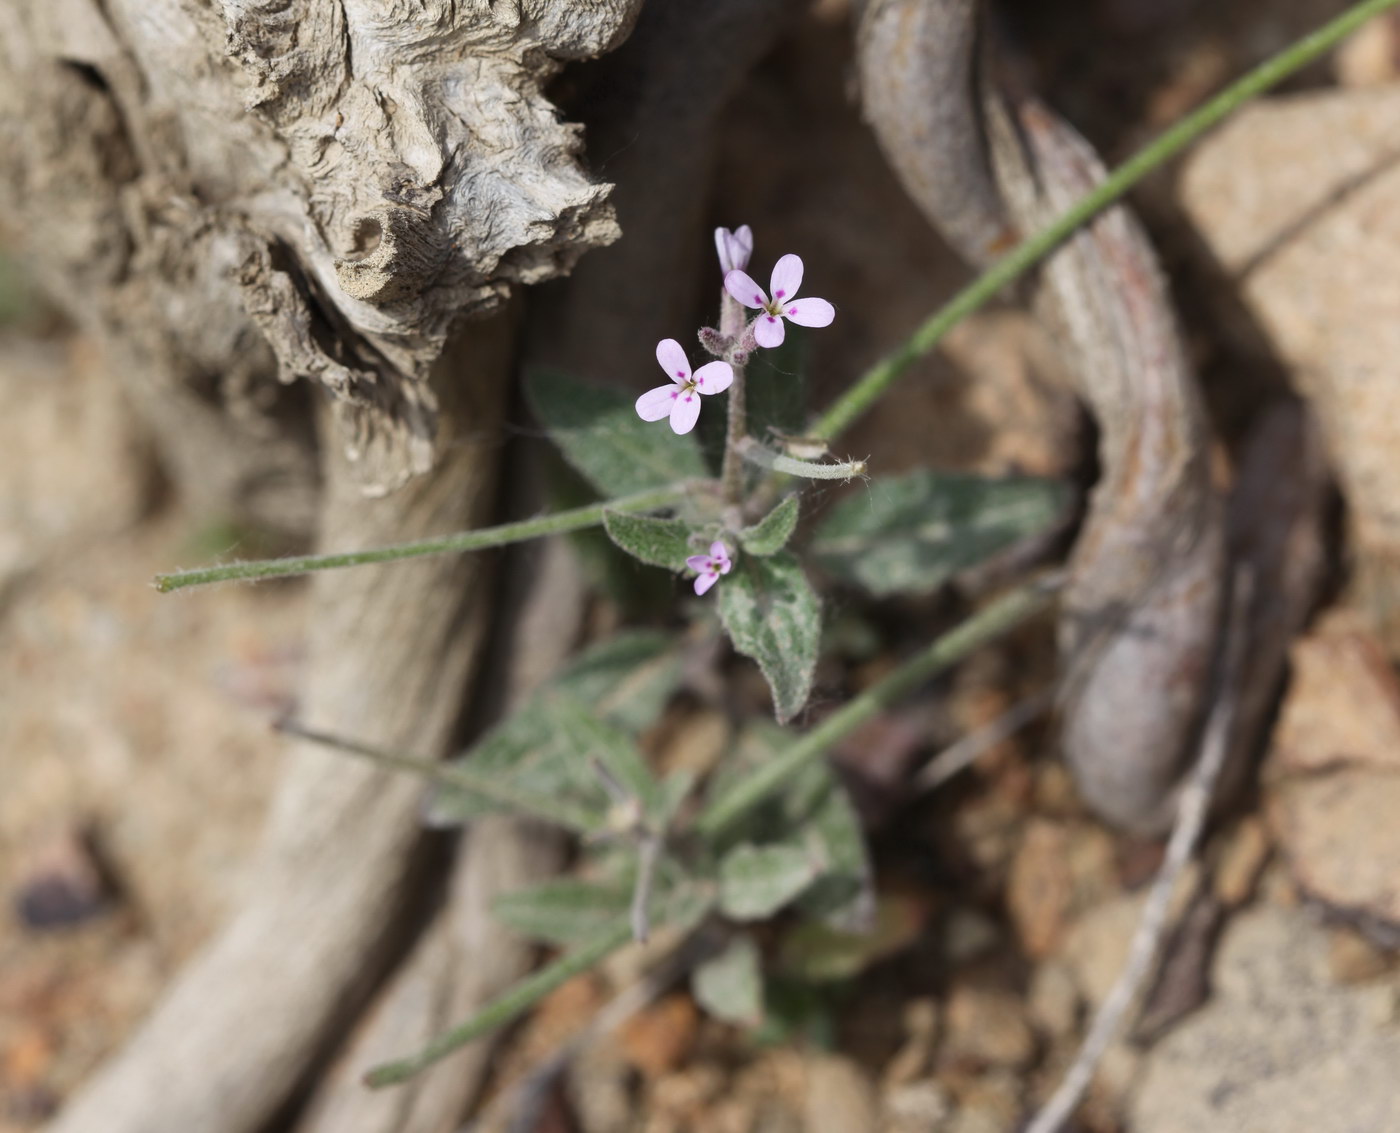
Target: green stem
column 576, row 818
column 861, row 396
column 506, row 1007
column 557, row 523
column 755, row 453
column 732, row 323
column 987, row 624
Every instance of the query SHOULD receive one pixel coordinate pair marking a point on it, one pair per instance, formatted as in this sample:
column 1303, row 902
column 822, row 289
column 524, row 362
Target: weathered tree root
column 1143, row 604
column 465, row 956
column 390, row 652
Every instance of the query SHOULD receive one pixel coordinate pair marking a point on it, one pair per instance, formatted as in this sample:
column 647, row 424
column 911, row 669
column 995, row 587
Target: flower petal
column 673, row 360
column 723, row 237
column 745, row 289
column 742, row 245
column 718, row 550
column 705, row 581
column 787, row 277
column 768, row 330
column 656, row 403
column 714, row 377
column 698, row 562
column 810, row 312
column 685, row 411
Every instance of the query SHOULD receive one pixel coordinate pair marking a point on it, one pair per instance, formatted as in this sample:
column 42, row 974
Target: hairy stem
column 756, row 453
column 557, row 523
column 576, row 818
column 731, row 323
column 506, row 1007
column 872, row 385
column 984, row 626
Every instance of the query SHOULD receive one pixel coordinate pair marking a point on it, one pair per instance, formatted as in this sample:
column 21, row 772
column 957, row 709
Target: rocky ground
column 135, row 757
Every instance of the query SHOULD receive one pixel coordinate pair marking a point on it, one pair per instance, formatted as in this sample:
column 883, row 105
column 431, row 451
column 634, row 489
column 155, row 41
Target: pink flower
column 681, row 401
column 768, row 329
column 734, row 248
column 710, row 566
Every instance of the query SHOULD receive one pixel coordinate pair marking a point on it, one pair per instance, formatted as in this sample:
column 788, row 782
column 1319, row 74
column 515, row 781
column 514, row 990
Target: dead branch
column 1142, row 605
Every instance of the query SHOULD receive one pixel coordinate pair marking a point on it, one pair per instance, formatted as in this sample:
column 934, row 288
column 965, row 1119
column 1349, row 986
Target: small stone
column 1370, row 57
column 1053, row 999
column 1242, row 861
column 1343, row 843
column 62, row 884
column 839, row 1096
column 1352, row 958
column 1310, row 267
column 912, row 1060
column 916, row 1107
column 968, row 934
column 658, row 1039
column 1342, row 705
column 990, row 1101
column 1280, row 1046
column 1040, row 889
column 987, row 1025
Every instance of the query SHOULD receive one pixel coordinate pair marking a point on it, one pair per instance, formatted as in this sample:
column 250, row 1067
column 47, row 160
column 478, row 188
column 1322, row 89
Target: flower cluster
column 679, row 400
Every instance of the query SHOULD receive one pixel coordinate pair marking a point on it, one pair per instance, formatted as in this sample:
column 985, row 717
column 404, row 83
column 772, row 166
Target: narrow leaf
column 730, row 986
column 770, row 534
column 563, row 911
column 625, row 681
column 587, row 738
column 659, row 542
column 772, row 615
column 756, row 881
column 506, row 1007
column 601, row 435
column 910, row 534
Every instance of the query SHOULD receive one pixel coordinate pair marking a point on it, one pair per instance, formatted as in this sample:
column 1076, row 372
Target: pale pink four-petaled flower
column 710, row 566
column 734, row 248
column 768, row 329
column 681, row 399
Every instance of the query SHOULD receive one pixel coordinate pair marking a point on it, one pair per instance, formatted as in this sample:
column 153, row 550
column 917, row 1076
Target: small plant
column 673, row 852
column 771, row 830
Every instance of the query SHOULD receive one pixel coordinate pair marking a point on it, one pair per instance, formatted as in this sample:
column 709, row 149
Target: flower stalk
column 556, row 523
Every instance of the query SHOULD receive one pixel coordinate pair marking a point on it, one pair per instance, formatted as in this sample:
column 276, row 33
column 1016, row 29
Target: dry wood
column 390, row 651
column 350, row 179
column 465, row 956
column 1143, row 600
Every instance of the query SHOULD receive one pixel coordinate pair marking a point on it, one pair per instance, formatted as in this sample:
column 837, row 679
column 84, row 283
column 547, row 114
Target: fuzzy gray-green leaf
column 756, row 881
column 563, row 911
column 581, row 733
column 814, row 814
column 770, row 534
column 601, row 435
column 772, row 615
column 660, row 542
column 730, row 985
column 910, row 534
column 624, row 681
